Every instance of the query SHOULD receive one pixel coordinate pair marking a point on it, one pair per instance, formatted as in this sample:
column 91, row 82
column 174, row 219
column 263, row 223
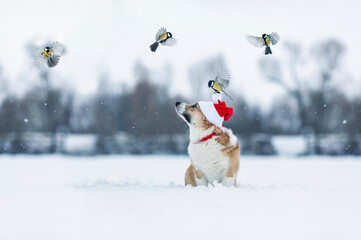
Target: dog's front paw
column 229, row 181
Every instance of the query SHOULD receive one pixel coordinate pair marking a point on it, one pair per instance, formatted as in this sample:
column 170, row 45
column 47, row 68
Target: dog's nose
column 177, row 103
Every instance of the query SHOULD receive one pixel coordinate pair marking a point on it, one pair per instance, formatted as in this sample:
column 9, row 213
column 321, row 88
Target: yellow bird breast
column 163, row 37
column 217, row 87
column 268, row 41
column 47, row 54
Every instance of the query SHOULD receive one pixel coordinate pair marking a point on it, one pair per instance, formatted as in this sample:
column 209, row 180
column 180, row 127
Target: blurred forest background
column 312, row 116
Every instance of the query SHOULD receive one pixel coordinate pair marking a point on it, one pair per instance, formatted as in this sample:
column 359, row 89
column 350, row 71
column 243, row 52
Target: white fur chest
column 208, row 158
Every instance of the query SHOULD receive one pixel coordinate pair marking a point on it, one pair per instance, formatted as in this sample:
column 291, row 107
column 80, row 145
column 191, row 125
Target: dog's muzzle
column 181, row 110
column 180, row 107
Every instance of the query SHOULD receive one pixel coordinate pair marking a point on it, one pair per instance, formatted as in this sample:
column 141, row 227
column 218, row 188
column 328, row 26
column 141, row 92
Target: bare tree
column 52, row 98
column 272, row 70
column 3, row 85
column 105, row 115
column 312, row 113
column 327, row 55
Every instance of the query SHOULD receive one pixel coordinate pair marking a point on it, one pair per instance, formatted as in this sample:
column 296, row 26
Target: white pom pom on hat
column 216, row 97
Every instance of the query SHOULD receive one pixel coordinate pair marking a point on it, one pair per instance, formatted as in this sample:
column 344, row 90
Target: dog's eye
column 194, row 106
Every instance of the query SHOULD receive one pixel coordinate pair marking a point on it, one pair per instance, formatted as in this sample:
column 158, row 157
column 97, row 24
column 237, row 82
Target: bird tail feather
column 154, row 46
column 53, row 60
column 228, row 95
column 267, row 51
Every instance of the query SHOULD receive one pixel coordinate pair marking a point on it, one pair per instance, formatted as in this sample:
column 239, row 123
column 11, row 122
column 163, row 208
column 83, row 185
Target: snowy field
column 143, row 197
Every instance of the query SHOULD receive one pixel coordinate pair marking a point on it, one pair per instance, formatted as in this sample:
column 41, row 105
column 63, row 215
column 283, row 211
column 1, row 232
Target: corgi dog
column 214, row 150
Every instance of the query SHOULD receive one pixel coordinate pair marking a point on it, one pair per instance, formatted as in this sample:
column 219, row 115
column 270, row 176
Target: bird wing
column 159, row 33
column 169, row 42
column 39, row 58
column 57, row 48
column 255, row 41
column 274, row 37
column 223, row 78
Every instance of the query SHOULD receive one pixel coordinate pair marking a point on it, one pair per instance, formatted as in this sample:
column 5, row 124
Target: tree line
column 147, row 109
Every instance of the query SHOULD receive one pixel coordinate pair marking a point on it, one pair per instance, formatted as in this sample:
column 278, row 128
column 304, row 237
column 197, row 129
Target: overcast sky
column 111, row 35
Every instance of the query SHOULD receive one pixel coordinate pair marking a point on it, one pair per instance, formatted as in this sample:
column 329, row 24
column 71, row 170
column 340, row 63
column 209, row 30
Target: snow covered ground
column 143, row 197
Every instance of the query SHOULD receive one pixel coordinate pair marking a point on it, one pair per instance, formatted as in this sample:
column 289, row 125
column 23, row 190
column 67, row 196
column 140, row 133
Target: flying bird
column 221, row 82
column 264, row 41
column 49, row 56
column 163, row 37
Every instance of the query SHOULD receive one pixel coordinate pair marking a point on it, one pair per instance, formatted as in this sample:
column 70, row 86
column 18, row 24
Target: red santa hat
column 216, row 113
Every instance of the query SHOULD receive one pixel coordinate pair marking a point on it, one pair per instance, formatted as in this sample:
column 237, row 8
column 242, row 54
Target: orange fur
column 191, row 174
column 189, row 177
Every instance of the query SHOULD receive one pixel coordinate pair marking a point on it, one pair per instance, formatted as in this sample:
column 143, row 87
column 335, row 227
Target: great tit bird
column 163, row 37
column 49, row 56
column 221, row 82
column 265, row 40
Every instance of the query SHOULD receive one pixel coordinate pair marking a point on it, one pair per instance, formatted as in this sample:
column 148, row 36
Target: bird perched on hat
column 264, row 41
column 221, row 82
column 163, row 37
column 49, row 56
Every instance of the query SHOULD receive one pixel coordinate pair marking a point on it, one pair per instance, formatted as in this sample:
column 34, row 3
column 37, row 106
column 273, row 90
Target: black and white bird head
column 47, row 49
column 210, row 83
column 264, row 36
column 169, row 34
